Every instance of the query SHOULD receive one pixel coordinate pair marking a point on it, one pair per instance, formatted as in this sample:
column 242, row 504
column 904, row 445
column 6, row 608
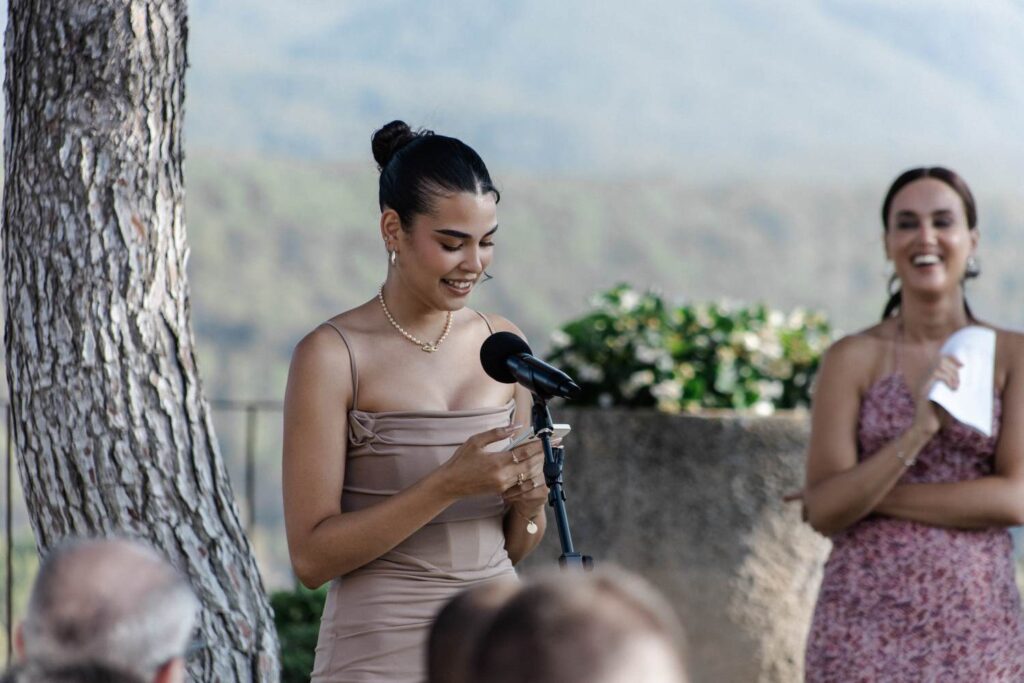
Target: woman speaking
column 396, row 486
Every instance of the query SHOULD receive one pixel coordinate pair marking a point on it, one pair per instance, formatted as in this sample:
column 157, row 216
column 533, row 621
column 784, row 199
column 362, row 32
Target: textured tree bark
column 112, row 428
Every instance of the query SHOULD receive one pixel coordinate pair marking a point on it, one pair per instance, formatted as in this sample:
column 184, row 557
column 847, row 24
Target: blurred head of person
column 930, row 223
column 438, row 215
column 113, row 602
column 84, row 672
column 607, row 626
column 458, row 627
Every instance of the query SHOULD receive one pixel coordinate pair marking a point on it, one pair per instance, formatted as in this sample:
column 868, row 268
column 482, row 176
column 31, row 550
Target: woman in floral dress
column 920, row 582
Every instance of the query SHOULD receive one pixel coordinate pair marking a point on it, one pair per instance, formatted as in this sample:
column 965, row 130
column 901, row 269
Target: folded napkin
column 971, row 403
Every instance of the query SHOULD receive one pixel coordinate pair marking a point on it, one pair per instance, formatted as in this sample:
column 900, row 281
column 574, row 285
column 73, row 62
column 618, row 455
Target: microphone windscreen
column 496, row 351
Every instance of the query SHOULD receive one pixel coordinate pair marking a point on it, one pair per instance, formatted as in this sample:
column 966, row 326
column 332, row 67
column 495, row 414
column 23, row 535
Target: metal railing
column 251, row 410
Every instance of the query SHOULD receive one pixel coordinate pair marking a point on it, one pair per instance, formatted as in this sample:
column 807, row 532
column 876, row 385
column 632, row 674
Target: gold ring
column 514, row 458
column 521, row 479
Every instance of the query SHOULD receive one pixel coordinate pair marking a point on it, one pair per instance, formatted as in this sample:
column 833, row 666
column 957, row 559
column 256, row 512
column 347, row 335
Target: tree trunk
column 113, row 433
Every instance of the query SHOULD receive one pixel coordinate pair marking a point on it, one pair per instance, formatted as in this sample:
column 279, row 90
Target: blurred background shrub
column 635, row 349
column 297, row 618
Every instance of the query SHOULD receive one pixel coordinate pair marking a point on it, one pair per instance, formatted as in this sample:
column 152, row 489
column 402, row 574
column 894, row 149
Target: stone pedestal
column 695, row 505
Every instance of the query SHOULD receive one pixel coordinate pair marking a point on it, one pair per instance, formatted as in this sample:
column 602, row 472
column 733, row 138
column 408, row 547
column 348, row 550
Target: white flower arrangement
column 634, row 349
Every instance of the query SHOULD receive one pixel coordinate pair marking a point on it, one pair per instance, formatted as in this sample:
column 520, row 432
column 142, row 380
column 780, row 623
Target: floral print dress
column 904, row 601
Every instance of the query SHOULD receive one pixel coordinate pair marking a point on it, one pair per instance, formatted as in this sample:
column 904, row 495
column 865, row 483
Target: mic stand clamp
column 553, row 460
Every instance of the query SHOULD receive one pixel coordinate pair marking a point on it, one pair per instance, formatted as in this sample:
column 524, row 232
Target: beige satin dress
column 376, row 620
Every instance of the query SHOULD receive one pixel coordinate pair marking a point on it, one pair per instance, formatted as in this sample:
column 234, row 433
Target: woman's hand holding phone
column 474, row 469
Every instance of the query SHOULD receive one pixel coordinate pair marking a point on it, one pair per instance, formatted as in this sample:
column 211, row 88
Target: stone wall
column 695, row 505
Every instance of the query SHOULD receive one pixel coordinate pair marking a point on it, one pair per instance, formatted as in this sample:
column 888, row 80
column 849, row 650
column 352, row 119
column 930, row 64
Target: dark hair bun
column 417, row 167
column 389, row 139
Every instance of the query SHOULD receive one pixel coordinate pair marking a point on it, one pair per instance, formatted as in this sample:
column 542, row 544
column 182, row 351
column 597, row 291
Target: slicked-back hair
column 418, row 167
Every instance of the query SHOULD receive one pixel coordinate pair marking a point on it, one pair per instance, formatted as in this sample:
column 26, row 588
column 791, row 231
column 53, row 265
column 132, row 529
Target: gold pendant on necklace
column 424, row 346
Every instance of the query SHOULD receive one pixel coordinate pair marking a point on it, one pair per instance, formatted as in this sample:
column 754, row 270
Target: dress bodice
column 390, row 451
column 955, row 453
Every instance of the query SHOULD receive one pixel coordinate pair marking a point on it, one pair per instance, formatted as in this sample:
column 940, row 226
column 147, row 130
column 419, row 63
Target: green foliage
column 636, row 350
column 297, row 618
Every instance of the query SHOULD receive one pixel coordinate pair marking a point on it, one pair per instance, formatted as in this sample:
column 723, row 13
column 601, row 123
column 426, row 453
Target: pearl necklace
column 424, row 346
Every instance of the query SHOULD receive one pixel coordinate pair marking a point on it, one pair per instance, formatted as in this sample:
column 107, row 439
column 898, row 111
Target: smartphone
column 527, row 435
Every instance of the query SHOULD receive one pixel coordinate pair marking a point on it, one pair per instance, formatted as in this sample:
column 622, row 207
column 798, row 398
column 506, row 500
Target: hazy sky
column 802, row 88
column 811, row 89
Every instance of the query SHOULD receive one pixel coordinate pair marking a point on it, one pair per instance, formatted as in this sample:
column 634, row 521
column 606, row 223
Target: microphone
column 507, row 358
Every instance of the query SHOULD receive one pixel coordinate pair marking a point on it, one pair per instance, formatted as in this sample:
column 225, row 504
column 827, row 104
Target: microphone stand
column 553, row 459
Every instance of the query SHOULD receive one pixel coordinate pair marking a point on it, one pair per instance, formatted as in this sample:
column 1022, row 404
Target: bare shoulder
column 863, row 346
column 860, row 358
column 1009, row 353
column 321, row 353
column 324, row 353
column 1011, row 340
column 321, row 344
column 326, row 343
column 502, row 324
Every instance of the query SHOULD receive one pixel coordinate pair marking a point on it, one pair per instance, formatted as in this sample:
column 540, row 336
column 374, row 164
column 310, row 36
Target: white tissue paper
column 971, row 403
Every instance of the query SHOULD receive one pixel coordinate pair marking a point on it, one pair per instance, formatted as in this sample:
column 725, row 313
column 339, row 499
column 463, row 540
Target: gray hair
column 113, row 601
column 86, row 672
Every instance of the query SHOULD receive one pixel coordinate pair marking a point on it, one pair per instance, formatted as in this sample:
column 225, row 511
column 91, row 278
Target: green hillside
column 278, row 246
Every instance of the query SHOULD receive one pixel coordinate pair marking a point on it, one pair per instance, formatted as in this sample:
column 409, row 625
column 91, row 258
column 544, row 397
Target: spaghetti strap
column 897, row 342
column 351, row 361
column 486, row 321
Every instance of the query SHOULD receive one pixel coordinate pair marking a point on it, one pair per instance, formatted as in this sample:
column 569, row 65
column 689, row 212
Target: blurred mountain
column 803, row 88
column 725, row 148
column 277, row 247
